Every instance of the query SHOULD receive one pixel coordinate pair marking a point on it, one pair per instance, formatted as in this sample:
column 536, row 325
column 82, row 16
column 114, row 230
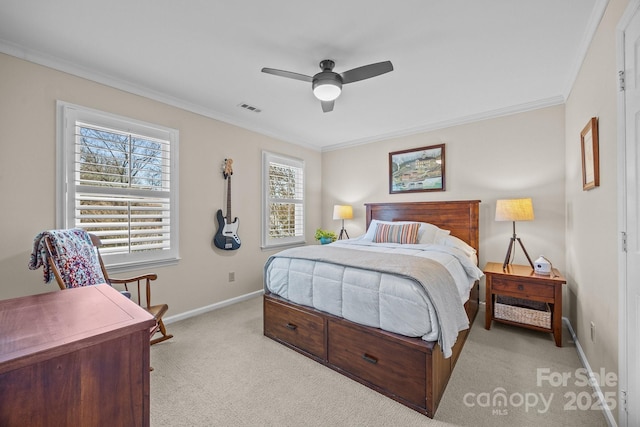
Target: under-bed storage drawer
column 398, row 369
column 301, row 329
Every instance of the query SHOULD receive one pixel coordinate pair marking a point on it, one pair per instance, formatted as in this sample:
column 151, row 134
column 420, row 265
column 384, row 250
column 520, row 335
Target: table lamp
column 342, row 212
column 514, row 210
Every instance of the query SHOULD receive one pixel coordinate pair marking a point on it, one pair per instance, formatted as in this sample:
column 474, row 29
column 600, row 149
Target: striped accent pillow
column 400, row 233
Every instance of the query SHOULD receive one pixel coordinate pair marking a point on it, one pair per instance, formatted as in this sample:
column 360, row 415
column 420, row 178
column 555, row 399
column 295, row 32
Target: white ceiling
column 454, row 60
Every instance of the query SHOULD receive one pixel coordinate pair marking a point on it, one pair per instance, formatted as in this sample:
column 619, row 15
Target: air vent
column 249, row 107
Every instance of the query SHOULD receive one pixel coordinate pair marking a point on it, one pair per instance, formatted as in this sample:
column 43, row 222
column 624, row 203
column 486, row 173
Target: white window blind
column 283, row 200
column 120, row 183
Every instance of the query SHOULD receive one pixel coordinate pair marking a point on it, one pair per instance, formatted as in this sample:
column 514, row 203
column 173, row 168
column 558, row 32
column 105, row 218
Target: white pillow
column 454, row 242
column 428, row 233
column 432, row 234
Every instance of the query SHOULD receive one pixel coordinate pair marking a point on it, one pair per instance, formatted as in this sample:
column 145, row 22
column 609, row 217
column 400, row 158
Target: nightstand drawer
column 522, row 288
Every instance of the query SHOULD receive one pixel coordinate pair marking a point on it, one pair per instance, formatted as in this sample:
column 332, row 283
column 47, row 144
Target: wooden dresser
column 75, row 357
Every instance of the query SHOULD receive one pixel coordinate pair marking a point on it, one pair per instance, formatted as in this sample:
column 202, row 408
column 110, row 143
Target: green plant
column 320, row 233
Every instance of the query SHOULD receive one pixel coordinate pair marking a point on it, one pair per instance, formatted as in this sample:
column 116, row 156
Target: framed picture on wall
column 590, row 155
column 417, row 169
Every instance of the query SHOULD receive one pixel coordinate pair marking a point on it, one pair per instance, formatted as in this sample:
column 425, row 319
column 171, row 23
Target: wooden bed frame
column 409, row 370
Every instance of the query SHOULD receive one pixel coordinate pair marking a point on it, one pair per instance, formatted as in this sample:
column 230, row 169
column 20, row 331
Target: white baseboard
column 211, row 307
column 608, row 415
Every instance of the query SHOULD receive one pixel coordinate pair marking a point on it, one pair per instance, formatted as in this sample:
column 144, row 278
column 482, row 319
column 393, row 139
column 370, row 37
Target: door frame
column 623, row 284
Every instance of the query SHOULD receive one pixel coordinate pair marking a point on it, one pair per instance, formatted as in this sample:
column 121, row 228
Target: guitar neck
column 229, row 199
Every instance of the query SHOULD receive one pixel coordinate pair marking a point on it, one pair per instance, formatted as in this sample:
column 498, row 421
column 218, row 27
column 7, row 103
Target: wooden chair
column 157, row 310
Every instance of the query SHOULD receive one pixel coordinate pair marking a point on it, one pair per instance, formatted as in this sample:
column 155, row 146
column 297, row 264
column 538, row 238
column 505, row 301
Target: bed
column 411, row 367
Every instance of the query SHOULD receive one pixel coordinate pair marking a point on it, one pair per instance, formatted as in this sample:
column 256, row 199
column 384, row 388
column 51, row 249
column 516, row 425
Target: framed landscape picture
column 417, row 169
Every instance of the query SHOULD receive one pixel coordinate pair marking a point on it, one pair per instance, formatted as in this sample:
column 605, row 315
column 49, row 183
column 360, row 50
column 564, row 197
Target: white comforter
column 372, row 298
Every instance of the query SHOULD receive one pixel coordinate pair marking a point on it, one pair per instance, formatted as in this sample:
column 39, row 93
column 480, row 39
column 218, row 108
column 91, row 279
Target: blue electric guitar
column 227, row 235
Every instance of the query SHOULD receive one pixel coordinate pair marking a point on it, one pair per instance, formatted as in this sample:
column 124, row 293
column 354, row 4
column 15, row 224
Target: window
column 283, row 200
column 118, row 179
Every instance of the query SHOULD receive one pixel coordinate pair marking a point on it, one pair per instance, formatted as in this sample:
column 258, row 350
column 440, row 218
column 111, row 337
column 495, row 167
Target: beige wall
column 520, row 155
column 592, row 238
column 28, row 95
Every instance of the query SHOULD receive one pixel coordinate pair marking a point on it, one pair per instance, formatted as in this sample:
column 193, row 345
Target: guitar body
column 227, row 235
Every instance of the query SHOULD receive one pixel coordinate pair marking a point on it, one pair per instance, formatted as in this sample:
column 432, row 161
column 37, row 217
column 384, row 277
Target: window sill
column 282, row 246
column 142, row 265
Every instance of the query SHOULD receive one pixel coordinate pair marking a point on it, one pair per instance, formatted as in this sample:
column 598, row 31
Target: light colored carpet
column 219, row 370
column 524, row 364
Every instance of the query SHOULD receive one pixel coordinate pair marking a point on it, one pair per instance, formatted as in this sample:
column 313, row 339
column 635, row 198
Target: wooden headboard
column 460, row 217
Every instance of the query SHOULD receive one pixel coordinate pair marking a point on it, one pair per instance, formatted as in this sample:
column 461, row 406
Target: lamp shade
column 342, row 212
column 514, row 210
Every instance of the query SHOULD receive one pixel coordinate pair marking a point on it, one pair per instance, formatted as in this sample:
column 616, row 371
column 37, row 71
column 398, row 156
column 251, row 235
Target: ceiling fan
column 327, row 84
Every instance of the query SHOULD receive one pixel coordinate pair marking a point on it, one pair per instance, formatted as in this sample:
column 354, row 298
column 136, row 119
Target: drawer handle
column 520, row 287
column 292, row 326
column 369, row 359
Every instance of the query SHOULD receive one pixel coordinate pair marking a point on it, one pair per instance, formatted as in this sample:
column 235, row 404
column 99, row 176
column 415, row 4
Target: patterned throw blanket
column 76, row 257
column 431, row 275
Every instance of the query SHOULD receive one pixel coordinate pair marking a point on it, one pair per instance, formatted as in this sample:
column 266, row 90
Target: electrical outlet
column 232, row 276
column 593, row 332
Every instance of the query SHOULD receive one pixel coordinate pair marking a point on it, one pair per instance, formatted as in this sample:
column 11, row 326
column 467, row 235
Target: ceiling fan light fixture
column 327, row 86
column 327, row 91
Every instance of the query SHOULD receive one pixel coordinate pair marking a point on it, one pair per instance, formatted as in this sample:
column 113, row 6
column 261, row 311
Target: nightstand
column 521, row 283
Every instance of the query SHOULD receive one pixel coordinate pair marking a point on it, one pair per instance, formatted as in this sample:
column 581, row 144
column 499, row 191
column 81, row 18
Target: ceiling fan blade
column 327, row 106
column 288, row 74
column 366, row 72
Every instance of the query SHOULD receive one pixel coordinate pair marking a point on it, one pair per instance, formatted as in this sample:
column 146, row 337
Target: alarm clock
column 542, row 266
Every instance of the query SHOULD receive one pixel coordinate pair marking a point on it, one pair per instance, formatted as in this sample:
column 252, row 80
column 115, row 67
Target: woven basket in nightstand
column 523, row 311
